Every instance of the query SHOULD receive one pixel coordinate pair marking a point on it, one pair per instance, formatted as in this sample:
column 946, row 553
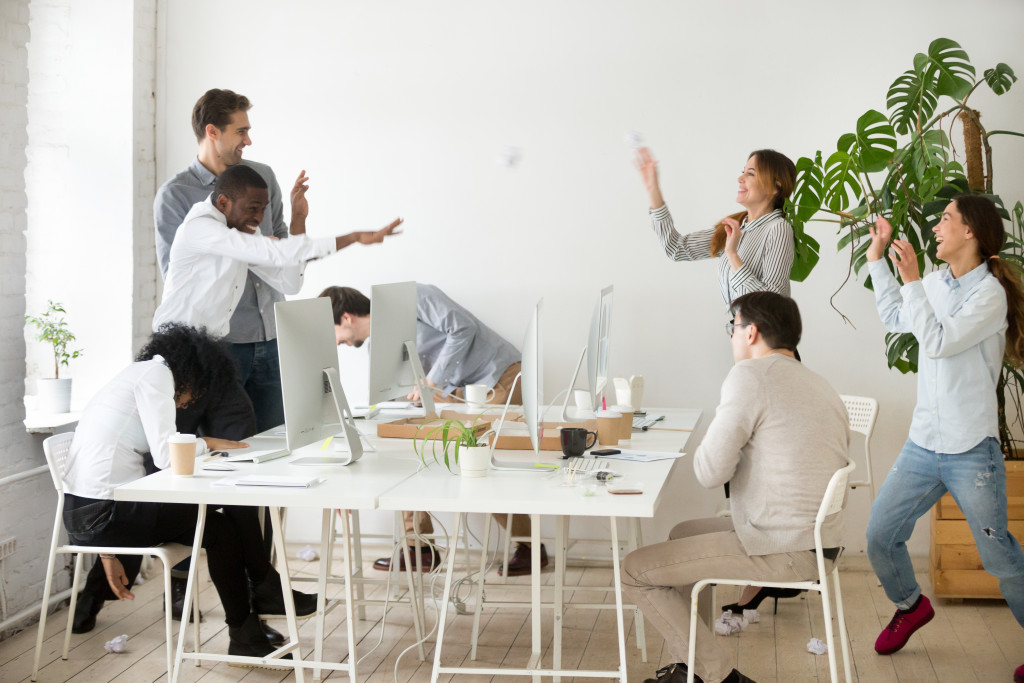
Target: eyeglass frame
column 730, row 327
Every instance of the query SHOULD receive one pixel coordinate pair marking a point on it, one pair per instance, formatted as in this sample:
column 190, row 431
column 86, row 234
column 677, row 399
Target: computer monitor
column 532, row 377
column 315, row 406
column 395, row 367
column 595, row 353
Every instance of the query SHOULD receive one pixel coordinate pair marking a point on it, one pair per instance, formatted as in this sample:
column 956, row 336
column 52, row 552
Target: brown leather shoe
column 519, row 563
column 430, row 560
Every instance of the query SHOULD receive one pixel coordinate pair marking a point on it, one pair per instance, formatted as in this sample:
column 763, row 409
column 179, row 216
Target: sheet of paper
column 643, row 456
column 268, row 480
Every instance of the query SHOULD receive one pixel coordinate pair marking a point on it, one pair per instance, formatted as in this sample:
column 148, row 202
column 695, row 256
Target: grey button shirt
column 253, row 319
column 455, row 348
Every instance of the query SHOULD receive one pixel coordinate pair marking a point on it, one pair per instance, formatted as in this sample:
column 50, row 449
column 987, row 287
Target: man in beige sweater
column 779, row 434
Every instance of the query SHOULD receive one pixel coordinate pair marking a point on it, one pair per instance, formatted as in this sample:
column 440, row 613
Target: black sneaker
column 178, row 600
column 86, row 609
column 268, row 601
column 250, row 640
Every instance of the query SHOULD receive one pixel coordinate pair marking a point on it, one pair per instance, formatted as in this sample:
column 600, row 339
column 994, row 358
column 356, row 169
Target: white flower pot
column 474, row 462
column 53, row 395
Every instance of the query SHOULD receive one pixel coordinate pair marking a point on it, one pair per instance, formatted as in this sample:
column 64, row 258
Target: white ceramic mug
column 584, row 402
column 183, row 454
column 477, row 395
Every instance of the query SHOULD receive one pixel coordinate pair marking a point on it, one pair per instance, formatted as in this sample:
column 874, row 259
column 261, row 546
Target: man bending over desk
column 779, row 434
column 456, row 349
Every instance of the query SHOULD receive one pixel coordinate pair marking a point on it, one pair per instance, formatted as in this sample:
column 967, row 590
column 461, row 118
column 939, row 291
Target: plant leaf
column 1000, row 78
column 841, row 180
column 911, row 100
column 809, row 192
column 949, row 62
column 876, row 141
column 805, row 257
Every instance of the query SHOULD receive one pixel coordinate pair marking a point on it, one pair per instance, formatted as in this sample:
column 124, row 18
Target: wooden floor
column 969, row 641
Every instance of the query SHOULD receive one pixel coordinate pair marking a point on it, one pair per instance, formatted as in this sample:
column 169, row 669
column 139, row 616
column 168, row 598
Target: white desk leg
column 190, row 585
column 535, row 592
column 459, row 519
column 357, row 571
column 561, row 532
column 326, row 531
column 350, row 618
column 286, row 590
column 634, row 539
column 478, row 608
column 617, row 578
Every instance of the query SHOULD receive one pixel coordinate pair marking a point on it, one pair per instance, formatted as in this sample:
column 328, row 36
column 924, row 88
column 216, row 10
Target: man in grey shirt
column 456, row 349
column 779, row 434
column 220, row 121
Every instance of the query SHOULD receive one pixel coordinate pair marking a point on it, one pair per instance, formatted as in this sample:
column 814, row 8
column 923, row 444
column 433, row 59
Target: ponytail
column 1009, row 276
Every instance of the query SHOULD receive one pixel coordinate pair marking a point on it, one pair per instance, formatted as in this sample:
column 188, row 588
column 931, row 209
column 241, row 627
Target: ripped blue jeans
column 919, row 477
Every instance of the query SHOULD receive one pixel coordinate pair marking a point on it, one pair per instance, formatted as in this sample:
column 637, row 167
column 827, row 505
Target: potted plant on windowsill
column 54, row 394
column 458, row 443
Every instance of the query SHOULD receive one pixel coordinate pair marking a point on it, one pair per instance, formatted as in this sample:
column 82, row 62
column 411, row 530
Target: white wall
column 400, row 108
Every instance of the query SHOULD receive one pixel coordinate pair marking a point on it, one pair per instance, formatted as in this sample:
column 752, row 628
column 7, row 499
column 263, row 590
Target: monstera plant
column 903, row 165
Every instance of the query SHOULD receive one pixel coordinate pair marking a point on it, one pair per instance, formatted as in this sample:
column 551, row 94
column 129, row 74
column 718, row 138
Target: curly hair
column 199, row 363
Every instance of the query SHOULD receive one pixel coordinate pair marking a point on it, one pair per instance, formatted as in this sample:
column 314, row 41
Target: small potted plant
column 459, row 444
column 55, row 394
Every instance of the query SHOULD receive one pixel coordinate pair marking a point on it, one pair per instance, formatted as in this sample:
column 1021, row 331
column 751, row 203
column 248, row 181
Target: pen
column 215, row 455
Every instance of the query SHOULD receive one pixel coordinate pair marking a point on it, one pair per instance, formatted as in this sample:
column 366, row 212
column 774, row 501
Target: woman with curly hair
column 967, row 318
column 121, row 436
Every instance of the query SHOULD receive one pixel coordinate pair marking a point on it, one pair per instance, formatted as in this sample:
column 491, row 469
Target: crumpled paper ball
column 308, row 554
column 728, row 624
column 117, row 645
column 816, row 647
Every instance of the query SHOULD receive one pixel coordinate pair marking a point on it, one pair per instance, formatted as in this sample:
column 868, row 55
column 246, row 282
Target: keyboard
column 642, row 422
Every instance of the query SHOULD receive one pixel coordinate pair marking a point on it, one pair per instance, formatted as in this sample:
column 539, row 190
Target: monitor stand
column 508, row 465
column 420, row 380
column 564, row 417
column 345, row 421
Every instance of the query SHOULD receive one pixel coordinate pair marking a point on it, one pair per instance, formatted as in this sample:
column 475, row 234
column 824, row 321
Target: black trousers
column 231, row 537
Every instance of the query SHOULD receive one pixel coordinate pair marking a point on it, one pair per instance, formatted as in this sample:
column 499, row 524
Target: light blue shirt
column 455, row 347
column 960, row 324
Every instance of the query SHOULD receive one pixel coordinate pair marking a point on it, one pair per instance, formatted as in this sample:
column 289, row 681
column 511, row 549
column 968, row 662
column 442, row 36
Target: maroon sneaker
column 903, row 624
column 1018, row 674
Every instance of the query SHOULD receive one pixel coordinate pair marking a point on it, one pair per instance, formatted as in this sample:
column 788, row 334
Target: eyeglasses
column 731, row 326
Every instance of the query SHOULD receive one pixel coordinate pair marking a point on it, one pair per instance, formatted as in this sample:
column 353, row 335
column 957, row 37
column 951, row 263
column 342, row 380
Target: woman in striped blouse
column 756, row 243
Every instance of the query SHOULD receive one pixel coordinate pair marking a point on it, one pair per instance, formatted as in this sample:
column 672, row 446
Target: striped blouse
column 766, row 249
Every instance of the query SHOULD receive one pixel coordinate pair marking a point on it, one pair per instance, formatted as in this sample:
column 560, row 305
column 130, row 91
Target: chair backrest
column 56, row 449
column 862, row 411
column 835, row 496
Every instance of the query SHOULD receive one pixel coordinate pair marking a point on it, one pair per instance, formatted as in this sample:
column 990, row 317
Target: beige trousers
column 658, row 579
column 420, row 522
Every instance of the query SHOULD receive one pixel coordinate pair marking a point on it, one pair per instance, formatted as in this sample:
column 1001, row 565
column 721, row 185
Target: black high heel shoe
column 764, row 592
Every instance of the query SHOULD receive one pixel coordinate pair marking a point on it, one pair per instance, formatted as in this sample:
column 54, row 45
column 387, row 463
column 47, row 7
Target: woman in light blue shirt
column 966, row 318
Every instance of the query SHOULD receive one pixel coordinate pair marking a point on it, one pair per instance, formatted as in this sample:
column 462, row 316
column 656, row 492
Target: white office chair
column 56, row 450
column 863, row 411
column 833, row 502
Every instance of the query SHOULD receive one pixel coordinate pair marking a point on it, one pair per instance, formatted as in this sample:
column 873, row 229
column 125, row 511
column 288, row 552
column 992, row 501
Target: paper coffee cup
column 183, row 454
column 608, row 425
column 626, row 424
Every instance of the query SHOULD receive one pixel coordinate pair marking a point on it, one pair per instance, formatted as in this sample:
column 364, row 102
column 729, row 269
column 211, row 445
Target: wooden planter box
column 954, row 565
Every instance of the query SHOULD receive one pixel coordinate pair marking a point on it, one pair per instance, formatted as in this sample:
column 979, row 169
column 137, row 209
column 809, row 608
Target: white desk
column 543, row 494
column 357, row 486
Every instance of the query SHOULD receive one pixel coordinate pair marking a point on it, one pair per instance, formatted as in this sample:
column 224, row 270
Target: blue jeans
column 259, row 371
column 919, row 477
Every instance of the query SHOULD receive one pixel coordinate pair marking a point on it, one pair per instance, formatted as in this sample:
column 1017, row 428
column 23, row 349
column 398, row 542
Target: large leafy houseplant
column 904, row 166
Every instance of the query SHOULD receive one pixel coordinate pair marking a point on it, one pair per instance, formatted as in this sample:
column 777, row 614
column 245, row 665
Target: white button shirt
column 209, row 263
column 132, row 415
column 960, row 324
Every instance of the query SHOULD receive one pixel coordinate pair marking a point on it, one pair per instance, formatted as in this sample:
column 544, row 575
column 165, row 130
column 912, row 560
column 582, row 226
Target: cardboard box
column 420, row 428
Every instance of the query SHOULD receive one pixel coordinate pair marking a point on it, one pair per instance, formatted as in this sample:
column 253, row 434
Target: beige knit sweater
column 779, row 434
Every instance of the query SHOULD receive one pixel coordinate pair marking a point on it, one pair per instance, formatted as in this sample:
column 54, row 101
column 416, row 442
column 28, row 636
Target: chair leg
column 195, row 618
column 357, row 567
column 635, row 539
column 691, row 648
column 843, row 635
column 74, row 603
column 826, row 608
column 168, row 623
column 47, row 587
